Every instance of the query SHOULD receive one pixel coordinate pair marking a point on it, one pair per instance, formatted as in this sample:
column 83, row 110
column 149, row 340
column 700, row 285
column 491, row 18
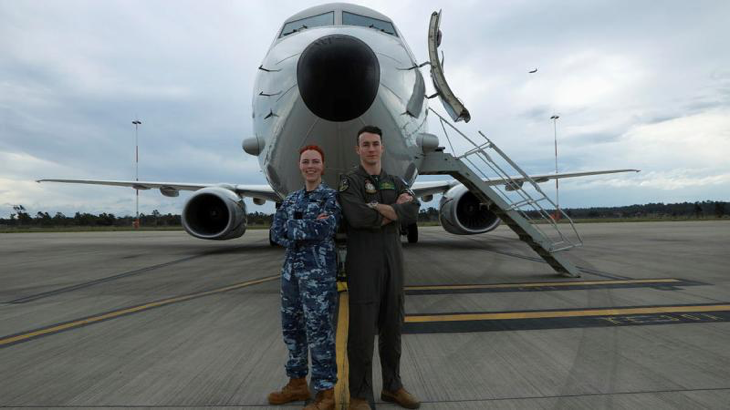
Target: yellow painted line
column 342, row 389
column 462, row 317
column 126, row 311
column 541, row 284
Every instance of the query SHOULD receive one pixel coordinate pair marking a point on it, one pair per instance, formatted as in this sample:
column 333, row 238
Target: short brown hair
column 370, row 129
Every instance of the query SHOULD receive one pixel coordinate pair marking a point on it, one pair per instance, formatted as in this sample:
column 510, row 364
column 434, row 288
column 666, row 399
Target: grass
column 647, row 219
column 47, row 229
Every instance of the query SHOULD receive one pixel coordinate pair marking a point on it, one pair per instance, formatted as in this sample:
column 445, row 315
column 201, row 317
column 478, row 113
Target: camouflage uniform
column 374, row 268
column 308, row 287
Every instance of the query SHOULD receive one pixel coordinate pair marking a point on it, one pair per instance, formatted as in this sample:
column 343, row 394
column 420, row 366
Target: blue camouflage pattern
column 308, row 282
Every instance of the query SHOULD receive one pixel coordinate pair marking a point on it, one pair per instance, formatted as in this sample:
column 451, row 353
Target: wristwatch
column 372, row 205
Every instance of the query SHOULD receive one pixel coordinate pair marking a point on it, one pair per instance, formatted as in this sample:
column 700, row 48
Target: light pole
column 136, row 123
column 557, row 193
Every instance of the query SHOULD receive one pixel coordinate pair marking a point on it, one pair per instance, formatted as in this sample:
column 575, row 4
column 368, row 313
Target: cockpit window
column 350, row 19
column 326, row 19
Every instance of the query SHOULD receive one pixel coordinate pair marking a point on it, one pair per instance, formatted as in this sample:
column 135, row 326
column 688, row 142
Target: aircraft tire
column 412, row 233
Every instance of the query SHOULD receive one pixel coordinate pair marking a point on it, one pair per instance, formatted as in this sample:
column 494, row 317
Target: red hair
column 312, row 148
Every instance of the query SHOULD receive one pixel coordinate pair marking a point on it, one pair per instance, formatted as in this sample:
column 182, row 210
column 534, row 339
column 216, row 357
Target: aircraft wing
column 264, row 192
column 426, row 188
column 547, row 177
column 437, row 187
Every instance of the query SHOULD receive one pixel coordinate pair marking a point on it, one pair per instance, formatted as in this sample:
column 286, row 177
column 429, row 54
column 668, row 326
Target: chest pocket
column 312, row 207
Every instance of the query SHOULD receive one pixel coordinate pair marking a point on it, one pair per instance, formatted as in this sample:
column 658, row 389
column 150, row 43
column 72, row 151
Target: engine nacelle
column 215, row 213
column 461, row 213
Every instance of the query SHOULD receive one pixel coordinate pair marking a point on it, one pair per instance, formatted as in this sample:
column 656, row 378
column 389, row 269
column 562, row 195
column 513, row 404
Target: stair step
column 443, row 163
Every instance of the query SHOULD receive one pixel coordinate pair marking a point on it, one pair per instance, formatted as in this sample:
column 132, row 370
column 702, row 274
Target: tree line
column 698, row 210
column 43, row 219
column 684, row 210
column 21, row 217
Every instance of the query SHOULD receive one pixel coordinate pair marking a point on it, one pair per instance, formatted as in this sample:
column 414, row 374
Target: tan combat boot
column 401, row 397
column 295, row 390
column 359, row 404
column 325, row 400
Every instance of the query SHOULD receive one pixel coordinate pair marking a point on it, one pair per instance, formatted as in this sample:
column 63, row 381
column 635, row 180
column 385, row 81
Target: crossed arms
column 361, row 215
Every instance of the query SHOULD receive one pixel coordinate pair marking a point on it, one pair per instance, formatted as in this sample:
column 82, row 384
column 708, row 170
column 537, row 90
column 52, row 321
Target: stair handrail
column 479, row 150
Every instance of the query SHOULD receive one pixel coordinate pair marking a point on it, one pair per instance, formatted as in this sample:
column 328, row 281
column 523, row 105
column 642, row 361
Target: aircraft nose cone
column 338, row 77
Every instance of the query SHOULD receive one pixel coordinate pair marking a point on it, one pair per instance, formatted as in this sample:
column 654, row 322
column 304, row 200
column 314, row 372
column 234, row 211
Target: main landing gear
column 411, row 232
column 271, row 239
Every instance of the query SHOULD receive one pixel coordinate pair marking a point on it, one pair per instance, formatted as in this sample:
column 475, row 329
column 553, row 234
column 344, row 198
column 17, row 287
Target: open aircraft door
column 453, row 105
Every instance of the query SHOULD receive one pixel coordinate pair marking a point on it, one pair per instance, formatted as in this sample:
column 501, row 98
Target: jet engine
column 461, row 213
column 215, row 213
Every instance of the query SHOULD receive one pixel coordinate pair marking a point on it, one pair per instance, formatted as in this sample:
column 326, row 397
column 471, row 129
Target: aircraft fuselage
column 320, row 85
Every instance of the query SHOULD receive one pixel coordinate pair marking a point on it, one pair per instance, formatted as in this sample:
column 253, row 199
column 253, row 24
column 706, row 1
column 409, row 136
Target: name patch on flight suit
column 386, row 185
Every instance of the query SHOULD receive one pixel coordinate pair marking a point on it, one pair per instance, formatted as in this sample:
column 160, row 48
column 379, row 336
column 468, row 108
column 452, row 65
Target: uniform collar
column 364, row 173
column 321, row 187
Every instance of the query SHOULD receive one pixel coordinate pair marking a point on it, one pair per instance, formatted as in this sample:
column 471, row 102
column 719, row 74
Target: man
column 375, row 205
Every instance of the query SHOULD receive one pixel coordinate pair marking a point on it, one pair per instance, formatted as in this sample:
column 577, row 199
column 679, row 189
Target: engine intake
column 338, row 77
column 215, row 213
column 461, row 213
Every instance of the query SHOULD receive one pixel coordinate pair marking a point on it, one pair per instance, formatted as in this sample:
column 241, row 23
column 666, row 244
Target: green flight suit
column 374, row 267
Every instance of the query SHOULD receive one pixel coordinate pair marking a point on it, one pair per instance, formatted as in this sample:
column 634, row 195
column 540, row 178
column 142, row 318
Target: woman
column 305, row 224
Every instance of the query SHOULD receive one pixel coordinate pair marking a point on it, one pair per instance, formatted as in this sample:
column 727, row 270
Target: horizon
column 635, row 84
column 33, row 215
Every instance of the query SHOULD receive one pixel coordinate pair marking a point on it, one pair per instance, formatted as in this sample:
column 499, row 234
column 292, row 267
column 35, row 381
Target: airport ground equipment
column 518, row 202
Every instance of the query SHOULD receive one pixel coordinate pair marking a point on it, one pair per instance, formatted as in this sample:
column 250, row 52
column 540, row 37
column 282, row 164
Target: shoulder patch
column 344, row 184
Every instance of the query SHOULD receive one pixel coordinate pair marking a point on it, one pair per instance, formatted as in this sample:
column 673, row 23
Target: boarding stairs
column 517, row 200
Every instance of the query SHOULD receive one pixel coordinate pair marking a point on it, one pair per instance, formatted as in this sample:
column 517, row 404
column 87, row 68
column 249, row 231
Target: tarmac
column 162, row 320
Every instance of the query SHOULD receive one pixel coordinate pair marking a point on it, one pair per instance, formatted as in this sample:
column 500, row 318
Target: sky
column 637, row 84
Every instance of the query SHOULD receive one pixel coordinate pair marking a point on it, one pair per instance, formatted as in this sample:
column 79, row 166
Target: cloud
column 673, row 180
column 24, row 166
column 631, row 90
column 700, row 140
